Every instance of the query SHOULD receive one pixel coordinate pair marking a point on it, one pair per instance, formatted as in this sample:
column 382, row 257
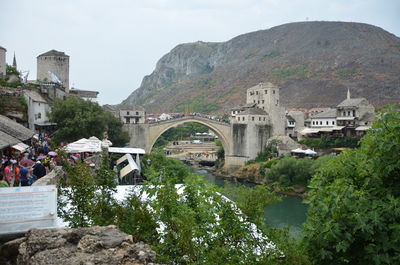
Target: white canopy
column 20, row 147
column 126, row 150
column 310, row 152
column 129, row 167
column 90, row 145
column 298, row 150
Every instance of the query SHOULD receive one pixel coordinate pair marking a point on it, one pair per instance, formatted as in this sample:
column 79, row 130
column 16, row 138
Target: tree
column 77, row 118
column 354, row 202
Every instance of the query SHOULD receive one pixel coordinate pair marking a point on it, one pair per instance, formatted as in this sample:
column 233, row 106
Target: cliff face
column 313, row 62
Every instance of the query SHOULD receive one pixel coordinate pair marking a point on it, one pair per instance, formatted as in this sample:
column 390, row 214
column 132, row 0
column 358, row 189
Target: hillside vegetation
column 313, row 62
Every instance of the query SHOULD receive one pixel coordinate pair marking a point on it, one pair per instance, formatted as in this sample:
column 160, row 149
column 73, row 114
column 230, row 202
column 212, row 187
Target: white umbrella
column 298, row 150
column 310, row 152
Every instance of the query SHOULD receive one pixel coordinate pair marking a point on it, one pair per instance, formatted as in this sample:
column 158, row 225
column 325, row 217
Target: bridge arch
column 222, row 130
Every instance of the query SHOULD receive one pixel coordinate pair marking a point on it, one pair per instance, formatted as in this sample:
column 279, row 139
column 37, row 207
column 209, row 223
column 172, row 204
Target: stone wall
column 51, row 178
column 73, row 246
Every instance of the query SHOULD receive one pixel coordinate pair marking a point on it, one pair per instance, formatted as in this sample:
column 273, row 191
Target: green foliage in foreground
column 77, row 118
column 354, row 202
column 199, row 225
column 330, row 142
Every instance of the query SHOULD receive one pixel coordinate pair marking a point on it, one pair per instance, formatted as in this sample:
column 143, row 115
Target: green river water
column 290, row 211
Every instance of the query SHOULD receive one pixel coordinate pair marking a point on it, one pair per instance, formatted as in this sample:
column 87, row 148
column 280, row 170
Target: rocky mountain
column 313, row 63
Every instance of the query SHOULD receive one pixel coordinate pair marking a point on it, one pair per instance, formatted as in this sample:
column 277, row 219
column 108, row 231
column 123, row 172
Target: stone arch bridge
column 241, row 142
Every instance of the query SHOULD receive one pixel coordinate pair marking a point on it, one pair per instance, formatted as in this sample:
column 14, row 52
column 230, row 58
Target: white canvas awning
column 310, row 152
column 309, row 130
column 84, row 145
column 298, row 150
column 128, row 168
column 20, row 147
column 345, row 118
column 126, row 150
column 363, row 128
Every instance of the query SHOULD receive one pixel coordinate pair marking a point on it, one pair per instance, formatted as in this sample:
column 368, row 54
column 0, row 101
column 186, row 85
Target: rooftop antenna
column 348, row 93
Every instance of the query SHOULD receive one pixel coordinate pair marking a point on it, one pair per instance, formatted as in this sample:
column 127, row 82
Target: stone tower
column 55, row 62
column 3, row 65
column 266, row 97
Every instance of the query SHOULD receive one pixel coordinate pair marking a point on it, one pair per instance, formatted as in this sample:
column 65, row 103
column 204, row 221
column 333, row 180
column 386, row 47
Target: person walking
column 3, row 183
column 8, row 172
column 39, row 170
column 17, row 175
column 25, row 173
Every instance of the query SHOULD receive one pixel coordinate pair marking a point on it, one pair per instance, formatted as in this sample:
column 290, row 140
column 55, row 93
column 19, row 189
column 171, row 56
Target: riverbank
column 290, row 211
column 251, row 174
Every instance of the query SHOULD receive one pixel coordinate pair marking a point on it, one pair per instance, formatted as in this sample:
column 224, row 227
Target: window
column 256, row 92
column 262, row 101
column 128, row 120
column 348, row 113
column 277, row 102
column 258, row 102
column 333, row 122
column 259, row 118
column 344, row 113
column 313, row 123
column 263, row 107
column 243, row 118
column 320, row 123
column 254, row 101
column 252, row 118
column 354, row 113
column 238, row 118
column 39, row 115
column 266, row 91
column 327, row 122
column 273, row 91
column 39, row 103
column 127, row 113
column 264, row 118
column 137, row 112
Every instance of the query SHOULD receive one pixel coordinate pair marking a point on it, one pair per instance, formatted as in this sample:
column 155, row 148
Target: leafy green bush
column 353, row 213
column 331, row 142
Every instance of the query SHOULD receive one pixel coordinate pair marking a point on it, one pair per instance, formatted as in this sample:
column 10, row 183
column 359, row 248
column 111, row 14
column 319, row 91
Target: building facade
column 38, row 108
column 53, row 66
column 266, row 97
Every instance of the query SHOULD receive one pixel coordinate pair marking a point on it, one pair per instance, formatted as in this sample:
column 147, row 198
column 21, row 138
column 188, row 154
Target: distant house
column 38, row 108
column 355, row 114
column 131, row 114
column 324, row 119
column 352, row 117
column 128, row 114
column 294, row 123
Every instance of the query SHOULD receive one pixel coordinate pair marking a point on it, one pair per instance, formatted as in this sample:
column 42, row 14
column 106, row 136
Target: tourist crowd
column 24, row 168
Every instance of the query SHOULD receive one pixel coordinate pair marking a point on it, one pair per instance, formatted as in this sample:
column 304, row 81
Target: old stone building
column 355, row 114
column 53, row 66
column 128, row 114
column 3, row 66
column 266, row 97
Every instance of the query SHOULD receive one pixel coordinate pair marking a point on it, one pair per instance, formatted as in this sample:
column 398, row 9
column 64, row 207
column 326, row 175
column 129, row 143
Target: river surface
column 290, row 211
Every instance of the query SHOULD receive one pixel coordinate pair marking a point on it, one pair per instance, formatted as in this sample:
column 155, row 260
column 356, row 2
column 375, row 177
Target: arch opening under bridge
column 222, row 130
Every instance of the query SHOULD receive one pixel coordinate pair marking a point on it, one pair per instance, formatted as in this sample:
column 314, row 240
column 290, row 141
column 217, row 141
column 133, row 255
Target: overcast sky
column 113, row 44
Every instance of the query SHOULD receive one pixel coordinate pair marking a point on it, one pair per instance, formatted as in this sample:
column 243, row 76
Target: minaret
column 348, row 93
column 14, row 62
